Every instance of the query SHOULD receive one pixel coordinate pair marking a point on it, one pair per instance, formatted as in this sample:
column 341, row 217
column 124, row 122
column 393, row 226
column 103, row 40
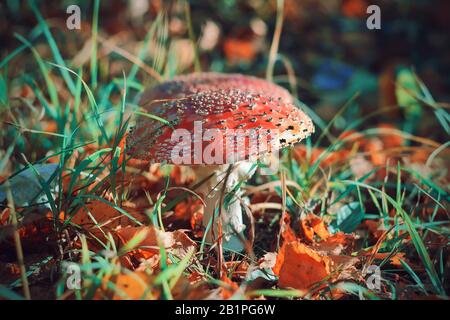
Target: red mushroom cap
column 185, row 85
column 226, row 111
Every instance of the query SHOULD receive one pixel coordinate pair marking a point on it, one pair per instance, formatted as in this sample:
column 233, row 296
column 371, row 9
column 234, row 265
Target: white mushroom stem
column 211, row 189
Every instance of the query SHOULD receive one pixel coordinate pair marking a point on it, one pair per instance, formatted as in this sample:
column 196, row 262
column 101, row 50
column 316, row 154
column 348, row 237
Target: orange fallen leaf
column 177, row 242
column 106, row 217
column 300, row 267
column 128, row 286
column 337, row 244
column 313, row 225
column 227, row 292
column 185, row 210
column 287, row 234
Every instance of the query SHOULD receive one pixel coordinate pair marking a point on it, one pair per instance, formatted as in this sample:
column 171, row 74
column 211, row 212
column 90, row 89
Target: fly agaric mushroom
column 217, row 120
column 185, row 85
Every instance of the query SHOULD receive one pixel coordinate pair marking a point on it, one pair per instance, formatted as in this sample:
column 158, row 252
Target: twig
column 275, row 40
column 17, row 242
column 187, row 11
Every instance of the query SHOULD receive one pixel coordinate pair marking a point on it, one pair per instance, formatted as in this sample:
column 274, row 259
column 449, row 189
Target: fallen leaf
column 300, row 267
column 228, row 291
column 237, row 269
column 99, row 218
column 287, row 234
column 313, row 225
column 129, row 286
column 177, row 242
column 268, row 261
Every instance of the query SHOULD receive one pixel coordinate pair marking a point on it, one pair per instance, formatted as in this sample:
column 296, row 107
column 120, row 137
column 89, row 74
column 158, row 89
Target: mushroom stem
column 231, row 217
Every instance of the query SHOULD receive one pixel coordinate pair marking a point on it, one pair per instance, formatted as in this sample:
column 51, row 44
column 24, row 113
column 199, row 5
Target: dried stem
column 17, row 242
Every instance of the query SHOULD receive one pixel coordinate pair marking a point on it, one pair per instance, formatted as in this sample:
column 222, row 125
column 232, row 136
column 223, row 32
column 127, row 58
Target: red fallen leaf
column 237, row 50
column 300, row 267
column 313, row 225
column 177, row 242
column 228, row 292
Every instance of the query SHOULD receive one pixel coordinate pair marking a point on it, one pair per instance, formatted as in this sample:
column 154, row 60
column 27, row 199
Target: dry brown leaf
column 106, row 217
column 268, row 261
column 177, row 242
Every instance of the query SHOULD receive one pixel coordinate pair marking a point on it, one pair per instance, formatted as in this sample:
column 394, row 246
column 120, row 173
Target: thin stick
column 275, row 40
column 17, row 242
column 187, row 10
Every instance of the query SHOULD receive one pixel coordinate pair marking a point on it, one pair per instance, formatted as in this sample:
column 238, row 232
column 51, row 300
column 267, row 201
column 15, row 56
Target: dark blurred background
column 325, row 44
